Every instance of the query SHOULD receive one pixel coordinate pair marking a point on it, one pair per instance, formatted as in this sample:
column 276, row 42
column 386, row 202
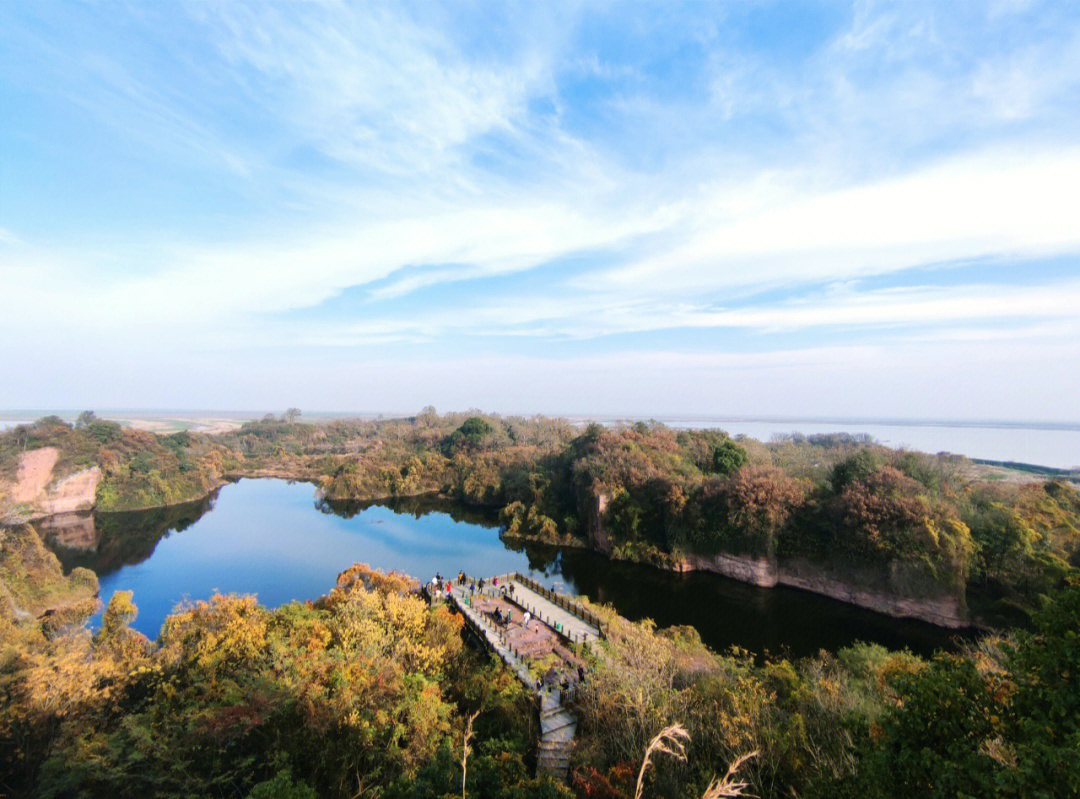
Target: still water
column 274, row 539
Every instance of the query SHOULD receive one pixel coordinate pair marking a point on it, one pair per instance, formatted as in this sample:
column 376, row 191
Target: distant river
column 1057, row 446
column 273, row 538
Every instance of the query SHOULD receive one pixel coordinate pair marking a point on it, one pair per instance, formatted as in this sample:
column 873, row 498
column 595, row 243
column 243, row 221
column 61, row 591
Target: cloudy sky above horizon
column 746, row 208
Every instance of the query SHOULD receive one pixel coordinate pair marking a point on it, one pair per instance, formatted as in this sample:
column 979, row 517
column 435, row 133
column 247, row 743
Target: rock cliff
column 42, row 493
column 895, row 590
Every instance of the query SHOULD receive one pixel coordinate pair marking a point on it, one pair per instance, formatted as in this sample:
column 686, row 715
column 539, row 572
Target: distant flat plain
column 1050, row 444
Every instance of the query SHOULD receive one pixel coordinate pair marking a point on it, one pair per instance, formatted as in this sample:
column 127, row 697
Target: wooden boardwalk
column 540, row 654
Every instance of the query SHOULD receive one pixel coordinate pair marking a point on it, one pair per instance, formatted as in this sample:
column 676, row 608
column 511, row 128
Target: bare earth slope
column 36, row 487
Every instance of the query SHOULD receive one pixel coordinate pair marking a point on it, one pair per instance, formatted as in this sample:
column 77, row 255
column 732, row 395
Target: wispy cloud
column 995, row 203
column 679, row 189
column 381, row 86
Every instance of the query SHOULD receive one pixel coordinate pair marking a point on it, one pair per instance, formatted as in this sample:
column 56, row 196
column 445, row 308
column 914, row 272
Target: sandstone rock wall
column 76, row 492
column 945, row 610
column 748, row 569
column 895, row 591
column 36, row 488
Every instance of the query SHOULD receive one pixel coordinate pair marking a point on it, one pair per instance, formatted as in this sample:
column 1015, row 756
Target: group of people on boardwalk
column 438, row 585
column 495, row 600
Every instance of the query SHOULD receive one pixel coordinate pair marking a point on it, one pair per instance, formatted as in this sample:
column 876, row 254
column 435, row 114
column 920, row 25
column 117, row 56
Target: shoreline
column 820, row 584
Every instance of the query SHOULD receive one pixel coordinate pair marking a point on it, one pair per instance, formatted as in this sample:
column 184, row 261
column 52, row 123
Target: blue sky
column 744, row 208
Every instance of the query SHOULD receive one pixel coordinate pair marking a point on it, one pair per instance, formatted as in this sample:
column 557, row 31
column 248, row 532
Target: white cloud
column 374, row 86
column 995, row 203
column 913, row 139
column 216, row 284
column 1047, row 311
column 1024, row 84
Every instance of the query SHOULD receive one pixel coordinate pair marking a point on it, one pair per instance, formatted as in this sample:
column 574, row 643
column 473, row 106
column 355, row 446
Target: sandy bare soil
column 35, row 471
column 75, row 492
column 174, row 425
column 1001, row 474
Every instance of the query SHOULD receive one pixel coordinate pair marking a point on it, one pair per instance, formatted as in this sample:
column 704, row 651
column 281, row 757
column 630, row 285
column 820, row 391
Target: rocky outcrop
column 937, row 607
column 34, row 473
column 73, row 493
column 898, row 590
column 41, row 493
column 598, row 536
column 867, row 589
column 746, row 568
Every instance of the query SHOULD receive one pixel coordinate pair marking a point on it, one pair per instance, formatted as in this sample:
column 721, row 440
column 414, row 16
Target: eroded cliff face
column 748, row 569
column 43, row 494
column 937, row 607
column 896, row 590
column 34, row 473
column 598, row 536
column 76, row 492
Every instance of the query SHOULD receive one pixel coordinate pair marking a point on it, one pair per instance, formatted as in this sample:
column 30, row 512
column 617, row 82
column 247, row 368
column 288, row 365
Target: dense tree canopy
column 728, row 457
column 895, row 521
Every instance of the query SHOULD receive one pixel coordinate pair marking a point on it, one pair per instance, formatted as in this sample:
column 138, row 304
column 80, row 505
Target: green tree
column 1046, row 708
column 470, row 435
column 962, row 728
column 474, row 428
column 282, row 786
column 120, row 612
column 1002, row 538
column 727, row 457
column 856, row 467
column 104, row 431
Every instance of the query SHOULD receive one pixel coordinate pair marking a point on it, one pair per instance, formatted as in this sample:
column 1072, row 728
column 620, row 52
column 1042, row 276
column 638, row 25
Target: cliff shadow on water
column 727, row 612
column 107, row 541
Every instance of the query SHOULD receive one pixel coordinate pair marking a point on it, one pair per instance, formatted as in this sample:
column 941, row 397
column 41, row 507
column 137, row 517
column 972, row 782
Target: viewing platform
column 524, row 624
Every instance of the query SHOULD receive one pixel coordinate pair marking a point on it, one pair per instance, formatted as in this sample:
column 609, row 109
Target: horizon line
column 673, row 418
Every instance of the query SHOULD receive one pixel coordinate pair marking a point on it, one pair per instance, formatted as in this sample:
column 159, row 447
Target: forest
column 368, row 691
column 898, row 522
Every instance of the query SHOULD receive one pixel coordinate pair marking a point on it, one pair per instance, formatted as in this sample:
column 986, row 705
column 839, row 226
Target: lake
column 275, row 539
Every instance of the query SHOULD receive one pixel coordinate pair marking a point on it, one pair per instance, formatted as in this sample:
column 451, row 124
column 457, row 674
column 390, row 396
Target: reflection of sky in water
column 265, row 537
column 268, row 538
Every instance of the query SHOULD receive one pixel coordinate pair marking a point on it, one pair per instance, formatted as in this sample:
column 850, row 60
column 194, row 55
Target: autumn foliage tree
column 760, row 500
column 349, row 694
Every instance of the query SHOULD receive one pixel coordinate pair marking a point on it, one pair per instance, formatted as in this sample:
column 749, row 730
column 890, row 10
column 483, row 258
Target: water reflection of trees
column 783, row 621
column 724, row 611
column 416, row 507
column 128, row 537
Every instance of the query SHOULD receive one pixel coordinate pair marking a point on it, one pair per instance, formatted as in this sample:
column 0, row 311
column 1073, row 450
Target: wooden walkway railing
column 493, row 587
column 558, row 725
column 565, row 603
